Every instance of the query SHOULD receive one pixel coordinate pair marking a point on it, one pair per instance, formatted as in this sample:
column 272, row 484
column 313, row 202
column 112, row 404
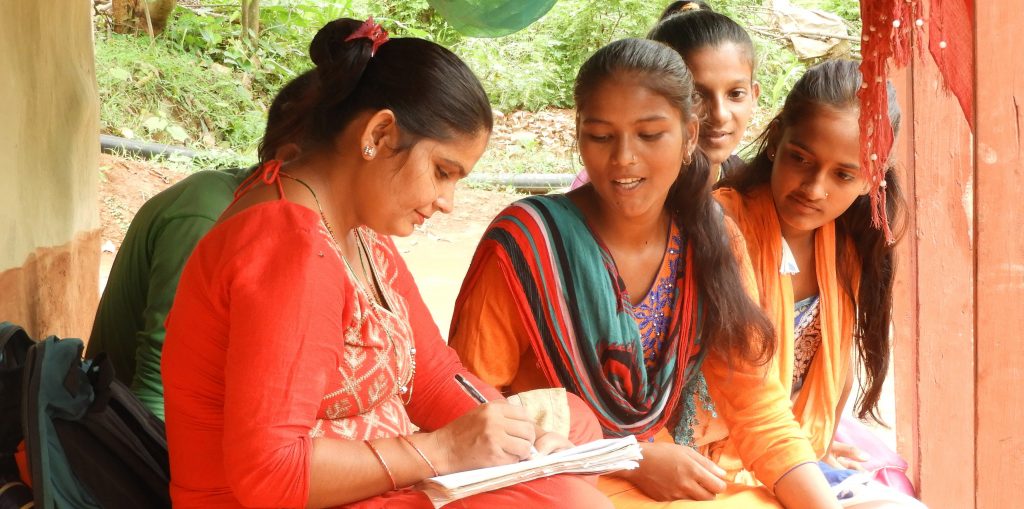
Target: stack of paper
column 597, row 457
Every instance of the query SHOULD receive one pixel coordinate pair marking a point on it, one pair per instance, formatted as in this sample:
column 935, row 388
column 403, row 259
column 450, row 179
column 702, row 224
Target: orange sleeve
column 755, row 406
column 487, row 331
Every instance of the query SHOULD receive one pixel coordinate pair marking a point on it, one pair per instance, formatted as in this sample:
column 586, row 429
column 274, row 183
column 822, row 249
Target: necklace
column 368, row 273
column 376, row 299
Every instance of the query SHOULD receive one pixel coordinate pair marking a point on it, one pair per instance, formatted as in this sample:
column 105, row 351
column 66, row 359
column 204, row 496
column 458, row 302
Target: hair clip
column 372, row 31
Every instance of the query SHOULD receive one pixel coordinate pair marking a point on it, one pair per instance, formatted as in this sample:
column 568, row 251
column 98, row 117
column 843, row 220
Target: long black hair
column 432, row 93
column 834, row 84
column 733, row 324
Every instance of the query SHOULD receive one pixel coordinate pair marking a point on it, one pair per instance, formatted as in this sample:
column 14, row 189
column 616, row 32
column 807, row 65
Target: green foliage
column 199, row 85
column 535, row 67
column 152, row 91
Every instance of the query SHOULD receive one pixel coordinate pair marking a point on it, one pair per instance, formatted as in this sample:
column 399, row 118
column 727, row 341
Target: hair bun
column 683, row 6
column 329, row 42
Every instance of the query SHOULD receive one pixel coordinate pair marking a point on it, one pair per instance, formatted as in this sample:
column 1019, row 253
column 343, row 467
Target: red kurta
column 270, row 344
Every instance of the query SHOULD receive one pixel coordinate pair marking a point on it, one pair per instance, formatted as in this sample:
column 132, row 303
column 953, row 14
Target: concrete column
column 49, row 127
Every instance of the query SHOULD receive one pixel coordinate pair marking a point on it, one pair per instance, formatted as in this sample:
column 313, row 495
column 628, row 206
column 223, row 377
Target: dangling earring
column 369, row 152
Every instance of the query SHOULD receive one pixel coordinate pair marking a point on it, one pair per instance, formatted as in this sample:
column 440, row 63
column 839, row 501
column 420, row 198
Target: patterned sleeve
column 436, row 399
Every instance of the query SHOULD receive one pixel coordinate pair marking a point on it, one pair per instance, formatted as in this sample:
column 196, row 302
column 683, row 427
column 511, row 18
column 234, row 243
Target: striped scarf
column 581, row 325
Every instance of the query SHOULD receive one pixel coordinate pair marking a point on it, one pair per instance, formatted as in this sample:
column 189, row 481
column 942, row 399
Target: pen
column 475, row 394
column 468, row 387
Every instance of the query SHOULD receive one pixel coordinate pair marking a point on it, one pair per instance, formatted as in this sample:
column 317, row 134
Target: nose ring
column 826, row 195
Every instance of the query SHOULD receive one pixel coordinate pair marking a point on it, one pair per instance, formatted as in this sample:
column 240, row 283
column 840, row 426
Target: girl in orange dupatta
column 823, row 271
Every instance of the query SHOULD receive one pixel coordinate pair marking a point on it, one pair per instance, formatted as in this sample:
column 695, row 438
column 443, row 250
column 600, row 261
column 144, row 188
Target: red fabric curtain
column 890, row 26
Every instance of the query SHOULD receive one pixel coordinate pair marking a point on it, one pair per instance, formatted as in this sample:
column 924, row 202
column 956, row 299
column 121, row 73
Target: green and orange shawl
column 574, row 306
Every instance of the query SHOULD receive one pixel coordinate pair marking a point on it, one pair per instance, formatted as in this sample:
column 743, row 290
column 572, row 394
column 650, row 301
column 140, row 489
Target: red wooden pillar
column 999, row 262
column 960, row 295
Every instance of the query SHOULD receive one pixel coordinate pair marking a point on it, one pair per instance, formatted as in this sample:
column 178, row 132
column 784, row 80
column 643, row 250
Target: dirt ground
column 438, row 254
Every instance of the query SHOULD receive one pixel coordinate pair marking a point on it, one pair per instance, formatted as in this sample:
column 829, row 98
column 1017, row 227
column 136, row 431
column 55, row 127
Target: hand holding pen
column 479, row 398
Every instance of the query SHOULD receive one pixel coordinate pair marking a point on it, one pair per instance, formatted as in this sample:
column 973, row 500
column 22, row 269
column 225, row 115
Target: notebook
column 597, row 457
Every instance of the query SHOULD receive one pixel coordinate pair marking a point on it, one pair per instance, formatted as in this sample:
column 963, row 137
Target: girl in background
column 720, row 56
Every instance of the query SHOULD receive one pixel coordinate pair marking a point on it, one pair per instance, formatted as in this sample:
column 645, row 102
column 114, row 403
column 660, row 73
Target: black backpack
column 14, row 345
column 91, row 443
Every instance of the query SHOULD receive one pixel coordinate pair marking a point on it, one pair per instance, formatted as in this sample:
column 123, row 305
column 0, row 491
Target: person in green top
column 129, row 323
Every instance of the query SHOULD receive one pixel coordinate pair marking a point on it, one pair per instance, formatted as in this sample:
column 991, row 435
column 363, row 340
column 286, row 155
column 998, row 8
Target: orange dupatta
column 816, row 404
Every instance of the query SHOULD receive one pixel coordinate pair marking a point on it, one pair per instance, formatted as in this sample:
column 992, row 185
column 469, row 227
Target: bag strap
column 9, row 330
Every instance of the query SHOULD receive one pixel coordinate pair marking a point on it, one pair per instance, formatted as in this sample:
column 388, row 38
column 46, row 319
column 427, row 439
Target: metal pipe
column 523, row 182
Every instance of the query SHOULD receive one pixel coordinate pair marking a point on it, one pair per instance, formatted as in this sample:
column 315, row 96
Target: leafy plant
column 199, row 85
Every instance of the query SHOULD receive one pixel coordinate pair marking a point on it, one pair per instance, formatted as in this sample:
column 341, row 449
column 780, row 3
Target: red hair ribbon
column 372, row 31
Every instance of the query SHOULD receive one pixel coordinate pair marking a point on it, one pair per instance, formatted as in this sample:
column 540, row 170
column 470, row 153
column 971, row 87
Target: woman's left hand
column 548, row 442
column 842, row 455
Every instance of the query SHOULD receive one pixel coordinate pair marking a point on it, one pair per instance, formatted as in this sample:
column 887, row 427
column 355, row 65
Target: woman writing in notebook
column 630, row 290
column 299, row 356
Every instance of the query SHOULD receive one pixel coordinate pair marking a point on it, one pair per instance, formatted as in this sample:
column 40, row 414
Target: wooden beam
column 941, row 294
column 905, row 340
column 999, row 190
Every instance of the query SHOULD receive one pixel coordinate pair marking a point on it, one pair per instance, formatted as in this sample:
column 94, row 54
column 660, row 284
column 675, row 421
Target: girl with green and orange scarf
column 631, row 291
column 824, row 273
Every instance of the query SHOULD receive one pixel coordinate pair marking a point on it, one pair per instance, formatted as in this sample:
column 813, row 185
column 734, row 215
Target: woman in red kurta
column 300, row 359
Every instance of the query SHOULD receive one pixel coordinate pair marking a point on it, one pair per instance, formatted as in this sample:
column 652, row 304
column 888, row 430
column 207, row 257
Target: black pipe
column 523, row 182
column 117, row 145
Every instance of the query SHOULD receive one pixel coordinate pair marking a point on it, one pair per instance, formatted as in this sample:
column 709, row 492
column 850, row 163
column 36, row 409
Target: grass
column 152, row 92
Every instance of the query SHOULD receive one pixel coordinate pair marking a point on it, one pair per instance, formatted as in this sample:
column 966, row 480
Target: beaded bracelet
column 418, row 451
column 394, row 485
